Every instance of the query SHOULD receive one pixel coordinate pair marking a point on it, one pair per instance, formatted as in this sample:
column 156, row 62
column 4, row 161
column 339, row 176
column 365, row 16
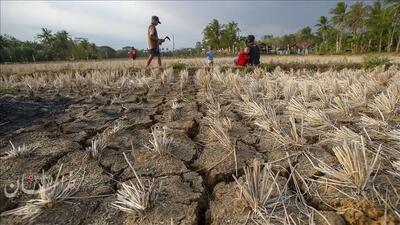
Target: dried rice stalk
column 100, row 141
column 50, row 192
column 323, row 96
column 234, row 86
column 220, row 133
column 356, row 167
column 135, row 197
column 296, row 108
column 396, row 165
column 259, row 187
column 268, row 119
column 342, row 134
column 317, row 120
column 167, row 76
column 371, row 123
column 394, row 135
column 161, row 143
column 313, row 118
column 292, row 140
column 184, row 78
column 176, row 110
column 385, row 103
column 341, row 105
column 357, row 93
column 252, row 109
column 202, row 79
column 19, row 151
column 306, row 92
column 290, row 89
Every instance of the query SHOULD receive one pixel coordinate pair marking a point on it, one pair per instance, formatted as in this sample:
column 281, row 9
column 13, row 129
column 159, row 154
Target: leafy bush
column 372, row 61
column 325, row 48
column 248, row 69
column 178, row 66
column 267, row 66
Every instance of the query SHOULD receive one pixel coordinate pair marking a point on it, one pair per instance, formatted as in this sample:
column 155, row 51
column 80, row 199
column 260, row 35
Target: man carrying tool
column 153, row 41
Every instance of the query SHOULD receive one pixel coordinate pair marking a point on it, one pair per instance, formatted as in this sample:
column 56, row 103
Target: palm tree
column 323, row 27
column 393, row 9
column 230, row 35
column 46, row 37
column 378, row 22
column 355, row 18
column 338, row 19
column 212, row 34
column 62, row 41
column 356, row 21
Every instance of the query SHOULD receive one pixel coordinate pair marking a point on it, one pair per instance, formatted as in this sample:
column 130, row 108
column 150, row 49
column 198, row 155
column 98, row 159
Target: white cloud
column 125, row 21
column 43, row 14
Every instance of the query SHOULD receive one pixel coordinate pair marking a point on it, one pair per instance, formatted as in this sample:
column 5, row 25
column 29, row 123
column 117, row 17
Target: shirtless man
column 153, row 41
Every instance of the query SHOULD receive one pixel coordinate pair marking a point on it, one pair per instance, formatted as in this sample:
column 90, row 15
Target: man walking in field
column 153, row 41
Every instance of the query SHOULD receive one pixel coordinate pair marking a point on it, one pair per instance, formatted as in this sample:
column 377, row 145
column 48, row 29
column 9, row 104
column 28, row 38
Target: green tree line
column 356, row 28
column 221, row 36
column 55, row 46
column 353, row 28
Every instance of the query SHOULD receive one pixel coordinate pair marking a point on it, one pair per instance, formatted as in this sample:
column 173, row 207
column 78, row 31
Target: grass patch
column 8, row 89
column 178, row 66
column 372, row 61
column 267, row 66
column 225, row 68
column 248, row 69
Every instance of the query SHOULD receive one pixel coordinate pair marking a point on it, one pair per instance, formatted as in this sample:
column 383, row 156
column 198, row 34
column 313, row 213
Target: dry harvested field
column 102, row 143
column 288, row 62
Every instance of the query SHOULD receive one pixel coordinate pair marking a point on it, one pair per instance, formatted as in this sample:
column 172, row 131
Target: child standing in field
column 210, row 57
column 243, row 58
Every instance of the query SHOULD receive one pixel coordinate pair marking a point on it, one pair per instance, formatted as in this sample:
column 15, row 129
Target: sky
column 124, row 23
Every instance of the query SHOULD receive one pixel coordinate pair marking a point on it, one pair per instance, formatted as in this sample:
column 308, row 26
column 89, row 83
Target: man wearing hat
column 153, row 41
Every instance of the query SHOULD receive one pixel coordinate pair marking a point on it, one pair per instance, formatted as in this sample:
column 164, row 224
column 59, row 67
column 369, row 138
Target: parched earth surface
column 194, row 183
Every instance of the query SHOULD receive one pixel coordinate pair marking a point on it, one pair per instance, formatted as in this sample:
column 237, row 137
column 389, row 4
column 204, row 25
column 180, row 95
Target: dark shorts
column 155, row 51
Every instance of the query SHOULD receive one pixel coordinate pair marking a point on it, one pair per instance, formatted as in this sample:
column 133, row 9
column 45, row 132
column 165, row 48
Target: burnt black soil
column 19, row 112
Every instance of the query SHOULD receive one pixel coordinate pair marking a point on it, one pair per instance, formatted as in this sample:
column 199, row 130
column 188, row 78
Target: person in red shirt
column 243, row 58
column 132, row 53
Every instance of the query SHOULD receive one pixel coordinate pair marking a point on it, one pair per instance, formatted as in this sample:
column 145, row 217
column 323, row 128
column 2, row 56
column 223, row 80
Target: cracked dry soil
column 195, row 186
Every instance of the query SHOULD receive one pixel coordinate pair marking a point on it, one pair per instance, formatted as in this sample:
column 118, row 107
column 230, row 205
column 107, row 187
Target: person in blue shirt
column 210, row 57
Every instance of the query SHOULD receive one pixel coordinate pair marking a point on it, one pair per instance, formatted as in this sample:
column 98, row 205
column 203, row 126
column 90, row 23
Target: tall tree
column 338, row 20
column 46, row 37
column 230, row 35
column 212, row 34
column 393, row 9
column 304, row 38
column 378, row 22
column 323, row 27
column 62, row 43
column 356, row 21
